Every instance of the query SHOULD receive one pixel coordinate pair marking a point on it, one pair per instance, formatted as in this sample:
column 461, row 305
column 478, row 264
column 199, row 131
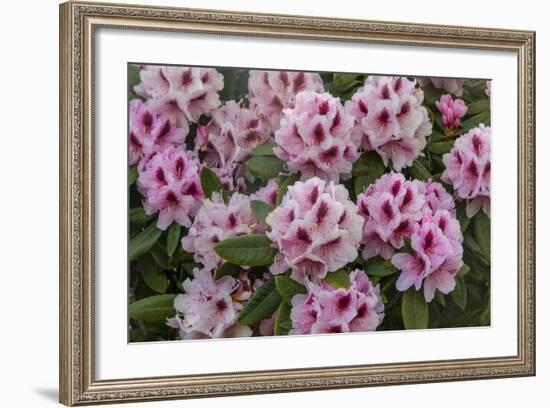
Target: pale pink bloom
column 451, row 112
column 437, row 257
column 182, row 93
column 390, row 119
column 325, row 309
column 453, row 86
column 437, row 198
column 207, row 308
column 315, row 137
column 151, row 132
column 216, row 221
column 229, row 138
column 170, row 183
column 267, row 194
column 391, row 207
column 468, row 168
column 269, row 92
column 488, row 88
column 316, row 229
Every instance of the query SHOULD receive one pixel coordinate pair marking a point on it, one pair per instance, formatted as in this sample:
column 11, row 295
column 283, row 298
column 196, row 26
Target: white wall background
column 29, row 203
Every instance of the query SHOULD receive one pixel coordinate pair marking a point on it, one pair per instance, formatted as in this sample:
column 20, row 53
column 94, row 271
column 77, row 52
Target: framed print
column 258, row 203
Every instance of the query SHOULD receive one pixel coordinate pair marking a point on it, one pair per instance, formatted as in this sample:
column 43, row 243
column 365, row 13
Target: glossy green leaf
column 132, row 175
column 179, row 257
column 153, row 275
column 440, row 147
column 482, row 105
column 210, row 182
column 266, row 167
column 460, row 293
column 462, row 217
column 263, row 150
column 380, row 267
column 227, row 269
column 173, row 238
column 288, row 287
column 414, row 309
column 482, row 233
column 249, row 250
column 338, row 279
column 155, row 308
column 261, row 305
column 143, row 242
column 260, row 210
column 138, row 216
column 475, row 121
column 283, row 323
column 419, row 171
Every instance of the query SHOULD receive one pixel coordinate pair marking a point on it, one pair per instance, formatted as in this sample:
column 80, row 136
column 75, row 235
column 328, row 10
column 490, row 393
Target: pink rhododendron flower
column 391, row 207
column 488, row 88
column 390, row 119
column 468, row 169
column 453, row 86
column 151, row 132
column 316, row 229
column 437, row 198
column 208, row 309
column 267, row 194
column 229, row 138
column 214, row 222
column 315, row 137
column 437, row 258
column 272, row 91
column 170, row 183
column 451, row 112
column 182, row 93
column 325, row 309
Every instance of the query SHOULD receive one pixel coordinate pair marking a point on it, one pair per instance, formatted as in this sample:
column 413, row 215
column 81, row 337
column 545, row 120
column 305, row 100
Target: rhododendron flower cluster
column 315, row 137
column 295, row 203
column 207, row 308
column 272, row 91
column 437, row 258
column 328, row 310
column 229, row 138
column 170, row 183
column 468, row 169
column 316, row 229
column 150, row 131
column 215, row 222
column 390, row 119
column 182, row 93
column 451, row 112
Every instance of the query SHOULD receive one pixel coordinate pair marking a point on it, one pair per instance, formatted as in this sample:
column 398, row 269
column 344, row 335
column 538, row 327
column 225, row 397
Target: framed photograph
column 258, row 203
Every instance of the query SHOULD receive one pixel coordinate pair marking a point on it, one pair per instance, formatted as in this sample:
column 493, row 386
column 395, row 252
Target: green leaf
column 249, row 250
column 437, row 137
column 463, row 271
column 380, row 267
column 369, row 164
column 173, row 238
column 475, row 121
column 288, row 287
column 266, row 167
column 283, row 188
column 210, row 182
column 132, row 175
column 143, row 242
column 227, row 269
column 471, row 245
column 338, row 279
column 261, row 305
column 460, row 294
column 138, row 216
column 160, row 257
column 440, row 147
column 479, row 106
column 153, row 275
column 414, row 310
column 260, row 210
column 153, row 308
column 179, row 257
column 263, row 150
column 133, row 76
column 419, row 171
column 283, row 323
column 482, row 233
column 462, row 217
column 440, row 297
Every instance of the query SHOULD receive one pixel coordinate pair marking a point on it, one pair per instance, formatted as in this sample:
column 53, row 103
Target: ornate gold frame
column 78, row 22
